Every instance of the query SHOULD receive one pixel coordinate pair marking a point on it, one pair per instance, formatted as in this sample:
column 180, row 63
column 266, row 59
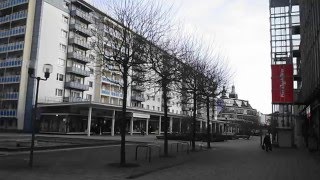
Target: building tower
column 285, row 65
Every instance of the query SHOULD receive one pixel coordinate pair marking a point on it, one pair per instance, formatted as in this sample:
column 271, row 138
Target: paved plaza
column 234, row 159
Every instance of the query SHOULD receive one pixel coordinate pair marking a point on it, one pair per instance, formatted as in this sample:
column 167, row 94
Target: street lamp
column 47, row 70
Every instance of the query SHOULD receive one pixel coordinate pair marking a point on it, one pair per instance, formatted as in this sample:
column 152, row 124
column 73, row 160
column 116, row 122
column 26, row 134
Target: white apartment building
column 75, row 98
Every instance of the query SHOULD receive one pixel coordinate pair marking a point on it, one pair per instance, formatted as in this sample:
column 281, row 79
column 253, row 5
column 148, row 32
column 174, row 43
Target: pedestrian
column 267, row 143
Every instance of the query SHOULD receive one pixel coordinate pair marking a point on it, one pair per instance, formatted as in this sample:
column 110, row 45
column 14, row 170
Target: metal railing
column 16, row 46
column 11, row 63
column 8, row 112
column 76, row 85
column 13, row 17
column 11, row 3
column 78, row 71
column 9, row 96
column 10, row 79
column 13, row 31
column 78, row 56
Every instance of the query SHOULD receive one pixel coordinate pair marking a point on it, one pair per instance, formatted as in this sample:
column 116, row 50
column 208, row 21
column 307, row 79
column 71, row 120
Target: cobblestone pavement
column 235, row 159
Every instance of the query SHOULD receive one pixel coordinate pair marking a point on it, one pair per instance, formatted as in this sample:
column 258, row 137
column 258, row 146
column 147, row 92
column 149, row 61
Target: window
column 89, row 97
column 152, row 107
column 147, row 106
column 65, row 19
column 158, row 108
column 158, row 99
column 142, row 105
column 148, row 97
column 153, row 98
column 60, row 77
column 90, row 83
column 91, row 70
column 63, row 48
column 59, row 92
column 64, row 33
column 61, row 62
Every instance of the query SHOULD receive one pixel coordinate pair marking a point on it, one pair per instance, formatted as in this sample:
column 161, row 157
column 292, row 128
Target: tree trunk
column 208, row 123
column 194, row 122
column 124, row 118
column 165, row 106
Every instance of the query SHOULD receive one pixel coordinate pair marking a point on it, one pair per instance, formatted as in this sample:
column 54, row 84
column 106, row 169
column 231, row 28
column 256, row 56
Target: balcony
column 116, row 94
column 81, row 30
column 11, row 47
column 74, row 99
column 137, row 98
column 83, row 16
column 13, row 32
column 9, row 96
column 9, row 63
column 8, row 113
column 76, row 85
column 12, row 3
column 105, row 92
column 13, row 17
column 10, row 79
column 109, row 80
column 79, row 57
column 138, row 88
column 81, row 44
column 78, row 71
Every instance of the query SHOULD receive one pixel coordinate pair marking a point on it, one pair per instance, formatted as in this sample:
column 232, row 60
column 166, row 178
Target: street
column 234, row 159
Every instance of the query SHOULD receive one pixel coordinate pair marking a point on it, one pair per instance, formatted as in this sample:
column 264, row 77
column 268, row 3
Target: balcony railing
column 17, row 46
column 10, row 63
column 138, row 87
column 8, row 113
column 86, row 17
column 81, row 44
column 76, row 85
column 13, row 32
column 78, row 71
column 82, row 30
column 79, row 57
column 11, row 3
column 116, row 94
column 109, row 80
column 9, row 96
column 13, row 17
column 137, row 98
column 111, row 93
column 10, row 79
column 74, row 99
column 105, row 92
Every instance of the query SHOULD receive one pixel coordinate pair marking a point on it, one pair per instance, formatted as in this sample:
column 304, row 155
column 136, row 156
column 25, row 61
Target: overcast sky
column 240, row 28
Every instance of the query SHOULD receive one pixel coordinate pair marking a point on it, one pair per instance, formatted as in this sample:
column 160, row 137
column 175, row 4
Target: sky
column 240, row 31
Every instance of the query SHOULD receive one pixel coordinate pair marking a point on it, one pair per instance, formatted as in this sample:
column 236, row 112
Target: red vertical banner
column 282, row 83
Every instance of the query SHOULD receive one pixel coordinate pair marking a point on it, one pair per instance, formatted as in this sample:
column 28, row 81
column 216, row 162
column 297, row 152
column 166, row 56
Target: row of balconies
column 9, row 96
column 78, row 71
column 10, row 79
column 8, row 112
column 11, row 3
column 80, row 43
column 13, row 17
column 16, row 46
column 10, row 63
column 20, row 30
column 79, row 57
column 81, row 30
column 83, row 16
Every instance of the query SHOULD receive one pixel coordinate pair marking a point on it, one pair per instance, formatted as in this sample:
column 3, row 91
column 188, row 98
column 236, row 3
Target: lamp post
column 47, row 69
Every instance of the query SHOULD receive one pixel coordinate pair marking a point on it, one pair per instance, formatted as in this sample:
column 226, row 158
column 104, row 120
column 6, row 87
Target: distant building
column 236, row 115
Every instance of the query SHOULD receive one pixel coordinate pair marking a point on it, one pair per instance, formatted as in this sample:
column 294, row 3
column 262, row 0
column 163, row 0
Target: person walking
column 267, row 143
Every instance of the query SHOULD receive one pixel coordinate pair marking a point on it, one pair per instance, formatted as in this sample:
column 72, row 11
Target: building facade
column 77, row 97
column 310, row 72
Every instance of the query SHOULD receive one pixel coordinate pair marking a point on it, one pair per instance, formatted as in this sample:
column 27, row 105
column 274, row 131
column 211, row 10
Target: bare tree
column 164, row 63
column 120, row 44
